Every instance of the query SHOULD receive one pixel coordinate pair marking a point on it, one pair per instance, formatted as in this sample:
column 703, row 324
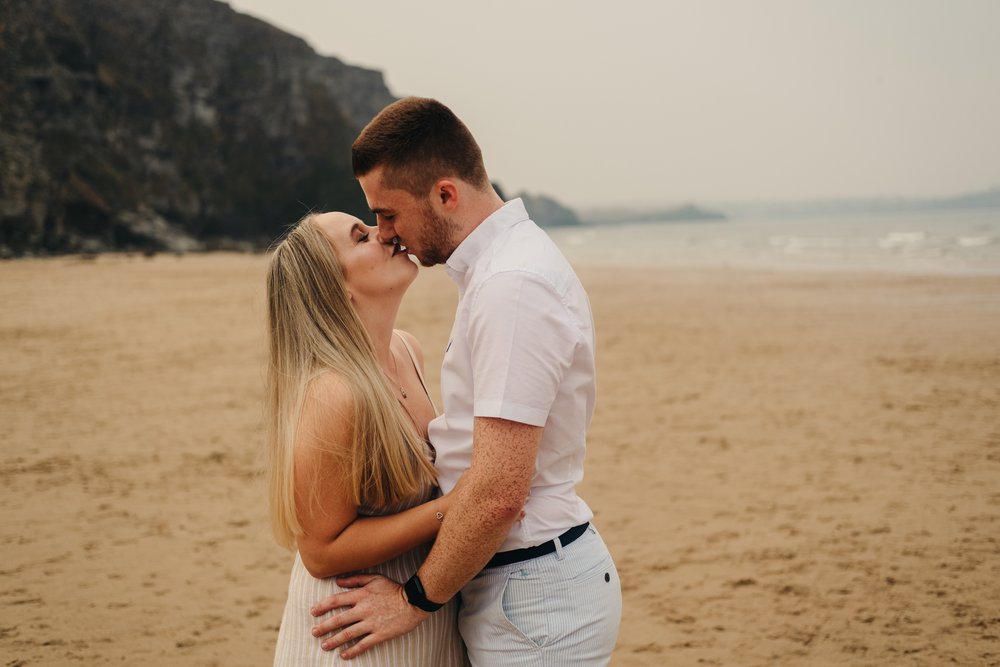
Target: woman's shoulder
column 327, row 414
column 329, row 393
column 329, row 384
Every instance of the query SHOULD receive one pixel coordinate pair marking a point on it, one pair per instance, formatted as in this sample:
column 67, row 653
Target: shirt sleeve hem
column 514, row 412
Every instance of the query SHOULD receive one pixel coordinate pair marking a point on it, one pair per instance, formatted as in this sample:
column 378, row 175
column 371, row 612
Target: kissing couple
column 427, row 538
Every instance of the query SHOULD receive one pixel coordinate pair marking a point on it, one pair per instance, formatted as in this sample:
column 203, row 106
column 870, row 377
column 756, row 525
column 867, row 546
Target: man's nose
column 386, row 232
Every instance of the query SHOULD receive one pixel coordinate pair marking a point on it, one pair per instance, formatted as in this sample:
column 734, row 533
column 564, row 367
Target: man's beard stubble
column 436, row 238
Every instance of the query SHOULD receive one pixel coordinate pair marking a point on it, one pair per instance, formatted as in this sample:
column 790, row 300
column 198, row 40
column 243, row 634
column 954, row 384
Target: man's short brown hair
column 418, row 141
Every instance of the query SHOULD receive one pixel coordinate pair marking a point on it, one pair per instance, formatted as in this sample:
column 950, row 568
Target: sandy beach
column 790, row 468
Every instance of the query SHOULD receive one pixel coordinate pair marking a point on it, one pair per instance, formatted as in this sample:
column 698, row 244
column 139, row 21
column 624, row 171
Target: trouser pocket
column 523, row 606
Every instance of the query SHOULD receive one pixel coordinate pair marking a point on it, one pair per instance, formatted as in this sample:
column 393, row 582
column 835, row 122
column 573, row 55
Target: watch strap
column 416, row 595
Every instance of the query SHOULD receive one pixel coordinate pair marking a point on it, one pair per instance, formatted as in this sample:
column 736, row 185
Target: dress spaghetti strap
column 416, row 367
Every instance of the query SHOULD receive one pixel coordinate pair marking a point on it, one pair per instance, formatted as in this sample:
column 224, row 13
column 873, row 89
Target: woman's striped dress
column 433, row 643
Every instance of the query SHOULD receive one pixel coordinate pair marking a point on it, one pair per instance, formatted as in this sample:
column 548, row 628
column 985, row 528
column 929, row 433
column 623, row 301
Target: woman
column 351, row 480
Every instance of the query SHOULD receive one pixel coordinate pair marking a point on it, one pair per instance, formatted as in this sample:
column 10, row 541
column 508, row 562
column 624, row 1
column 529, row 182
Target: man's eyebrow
column 380, row 209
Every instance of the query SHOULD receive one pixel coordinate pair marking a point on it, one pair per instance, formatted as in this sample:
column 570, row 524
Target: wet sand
column 790, row 469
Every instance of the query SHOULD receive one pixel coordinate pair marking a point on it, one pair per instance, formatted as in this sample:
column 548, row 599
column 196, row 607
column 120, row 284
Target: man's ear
column 446, row 194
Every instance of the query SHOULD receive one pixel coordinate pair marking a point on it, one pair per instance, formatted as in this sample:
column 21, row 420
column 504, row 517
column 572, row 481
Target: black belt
column 517, row 555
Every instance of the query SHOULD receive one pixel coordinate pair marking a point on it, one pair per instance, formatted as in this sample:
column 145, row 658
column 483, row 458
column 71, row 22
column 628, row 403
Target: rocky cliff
column 167, row 124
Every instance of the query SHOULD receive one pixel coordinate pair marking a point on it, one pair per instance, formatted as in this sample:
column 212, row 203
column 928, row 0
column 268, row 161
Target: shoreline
column 789, row 467
column 581, row 266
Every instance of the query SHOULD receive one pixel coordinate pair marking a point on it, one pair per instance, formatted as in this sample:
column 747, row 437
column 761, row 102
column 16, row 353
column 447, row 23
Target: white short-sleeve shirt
column 522, row 348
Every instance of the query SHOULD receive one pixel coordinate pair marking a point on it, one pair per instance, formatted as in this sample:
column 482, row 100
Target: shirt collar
column 465, row 255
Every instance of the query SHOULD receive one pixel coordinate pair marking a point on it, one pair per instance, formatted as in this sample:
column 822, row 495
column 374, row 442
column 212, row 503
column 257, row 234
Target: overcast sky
column 659, row 101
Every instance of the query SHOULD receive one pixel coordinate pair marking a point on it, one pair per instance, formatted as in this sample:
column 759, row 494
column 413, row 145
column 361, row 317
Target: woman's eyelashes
column 363, row 237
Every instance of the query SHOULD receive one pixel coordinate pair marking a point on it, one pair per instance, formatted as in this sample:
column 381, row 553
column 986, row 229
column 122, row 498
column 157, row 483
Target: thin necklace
column 395, row 371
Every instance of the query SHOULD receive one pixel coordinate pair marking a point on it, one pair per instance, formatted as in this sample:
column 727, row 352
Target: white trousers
column 560, row 609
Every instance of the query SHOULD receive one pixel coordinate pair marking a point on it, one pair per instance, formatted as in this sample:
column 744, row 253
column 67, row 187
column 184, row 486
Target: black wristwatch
column 416, row 596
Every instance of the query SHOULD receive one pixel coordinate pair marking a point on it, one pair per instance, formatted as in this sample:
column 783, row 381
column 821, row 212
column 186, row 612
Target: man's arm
column 489, row 501
column 496, row 488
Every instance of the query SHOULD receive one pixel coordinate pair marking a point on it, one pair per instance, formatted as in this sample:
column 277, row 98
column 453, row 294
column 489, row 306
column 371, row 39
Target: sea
column 925, row 242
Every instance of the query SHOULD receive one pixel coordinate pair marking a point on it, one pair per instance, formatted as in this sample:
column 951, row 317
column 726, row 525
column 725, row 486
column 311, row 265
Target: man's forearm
column 486, row 506
column 472, row 532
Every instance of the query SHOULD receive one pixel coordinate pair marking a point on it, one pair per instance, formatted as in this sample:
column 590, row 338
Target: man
column 518, row 390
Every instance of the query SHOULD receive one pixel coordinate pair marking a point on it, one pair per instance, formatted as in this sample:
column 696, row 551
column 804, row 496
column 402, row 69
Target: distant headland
column 684, row 213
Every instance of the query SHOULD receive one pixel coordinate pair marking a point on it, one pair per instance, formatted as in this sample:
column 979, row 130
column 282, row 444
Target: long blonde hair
column 312, row 329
